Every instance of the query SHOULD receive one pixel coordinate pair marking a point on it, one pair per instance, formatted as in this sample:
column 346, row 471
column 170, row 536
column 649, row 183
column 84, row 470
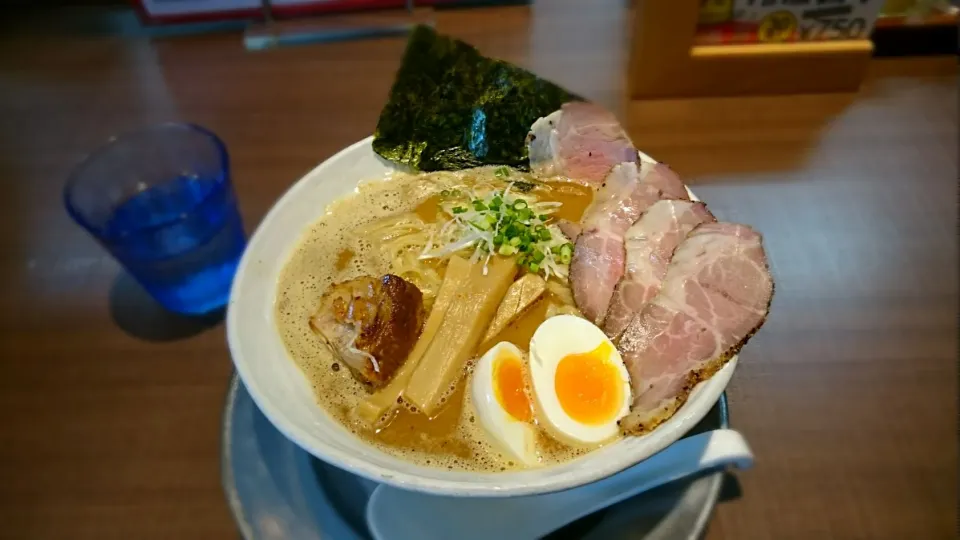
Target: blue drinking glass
column 160, row 200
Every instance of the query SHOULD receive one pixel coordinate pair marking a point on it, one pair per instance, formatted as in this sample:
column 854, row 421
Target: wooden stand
column 664, row 63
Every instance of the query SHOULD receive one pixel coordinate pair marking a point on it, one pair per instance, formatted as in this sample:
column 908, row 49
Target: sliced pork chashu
column 715, row 295
column 599, row 254
column 650, row 243
column 581, row 140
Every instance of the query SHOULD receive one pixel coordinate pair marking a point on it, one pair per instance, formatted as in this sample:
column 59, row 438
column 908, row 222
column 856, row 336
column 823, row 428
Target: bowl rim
column 707, row 392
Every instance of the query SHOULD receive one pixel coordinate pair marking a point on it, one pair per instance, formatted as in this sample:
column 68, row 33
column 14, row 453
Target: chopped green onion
column 501, row 171
column 501, row 222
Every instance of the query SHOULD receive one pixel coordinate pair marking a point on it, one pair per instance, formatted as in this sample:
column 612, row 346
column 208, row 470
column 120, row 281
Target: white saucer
column 278, row 491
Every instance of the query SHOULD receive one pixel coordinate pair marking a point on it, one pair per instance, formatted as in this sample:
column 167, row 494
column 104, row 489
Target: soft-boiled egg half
column 501, row 402
column 581, row 387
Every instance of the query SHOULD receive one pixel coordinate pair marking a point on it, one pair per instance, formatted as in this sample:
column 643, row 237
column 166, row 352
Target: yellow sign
column 777, row 27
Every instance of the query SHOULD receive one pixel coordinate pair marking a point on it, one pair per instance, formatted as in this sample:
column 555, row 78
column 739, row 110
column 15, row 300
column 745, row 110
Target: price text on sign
column 773, row 21
column 840, row 22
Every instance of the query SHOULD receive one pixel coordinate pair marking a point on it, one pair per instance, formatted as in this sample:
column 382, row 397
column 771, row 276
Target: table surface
column 111, row 409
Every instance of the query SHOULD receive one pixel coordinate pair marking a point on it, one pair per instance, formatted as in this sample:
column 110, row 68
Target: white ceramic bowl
column 283, row 394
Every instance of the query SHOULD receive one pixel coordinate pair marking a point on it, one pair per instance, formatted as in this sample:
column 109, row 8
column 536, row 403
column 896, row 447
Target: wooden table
column 111, row 410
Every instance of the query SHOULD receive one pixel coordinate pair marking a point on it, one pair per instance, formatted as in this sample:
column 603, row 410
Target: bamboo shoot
column 373, row 408
column 462, row 327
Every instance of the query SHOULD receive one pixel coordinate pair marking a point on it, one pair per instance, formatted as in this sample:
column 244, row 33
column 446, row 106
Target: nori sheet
column 452, row 108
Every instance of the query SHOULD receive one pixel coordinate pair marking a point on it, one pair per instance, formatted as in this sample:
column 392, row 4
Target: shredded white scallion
column 506, row 222
column 352, row 348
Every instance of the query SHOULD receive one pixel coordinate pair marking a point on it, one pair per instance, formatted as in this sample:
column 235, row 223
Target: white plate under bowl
column 283, row 394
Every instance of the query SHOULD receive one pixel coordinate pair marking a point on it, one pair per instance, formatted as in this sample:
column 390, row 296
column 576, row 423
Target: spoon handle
column 706, row 451
column 395, row 514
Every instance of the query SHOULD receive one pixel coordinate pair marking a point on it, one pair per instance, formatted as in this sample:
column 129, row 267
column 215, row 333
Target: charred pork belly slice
column 371, row 324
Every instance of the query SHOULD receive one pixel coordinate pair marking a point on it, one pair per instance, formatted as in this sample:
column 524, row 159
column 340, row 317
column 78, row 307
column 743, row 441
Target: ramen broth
column 331, row 252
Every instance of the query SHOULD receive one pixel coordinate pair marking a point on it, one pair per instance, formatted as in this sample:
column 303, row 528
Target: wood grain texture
column 847, row 395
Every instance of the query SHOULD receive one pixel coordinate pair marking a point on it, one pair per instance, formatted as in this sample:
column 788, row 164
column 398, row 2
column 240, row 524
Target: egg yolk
column 589, row 386
column 508, row 385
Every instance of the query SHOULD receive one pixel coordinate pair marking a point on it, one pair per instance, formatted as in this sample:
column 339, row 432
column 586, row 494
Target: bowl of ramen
column 512, row 316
